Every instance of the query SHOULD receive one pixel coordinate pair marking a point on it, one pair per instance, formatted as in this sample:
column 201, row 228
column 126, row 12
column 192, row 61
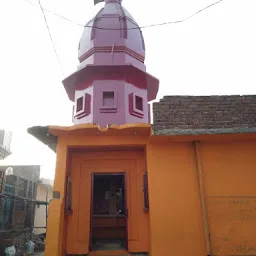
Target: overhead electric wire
column 50, row 35
column 141, row 27
column 56, row 14
column 43, row 10
column 179, row 21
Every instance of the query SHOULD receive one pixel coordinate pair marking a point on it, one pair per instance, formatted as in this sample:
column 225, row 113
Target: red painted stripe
column 108, row 49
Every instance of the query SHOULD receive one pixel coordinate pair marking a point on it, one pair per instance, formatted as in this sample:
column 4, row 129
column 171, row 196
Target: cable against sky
column 43, row 10
column 50, row 35
column 142, row 27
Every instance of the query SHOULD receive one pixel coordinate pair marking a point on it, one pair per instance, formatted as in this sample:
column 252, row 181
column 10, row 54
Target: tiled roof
column 205, row 113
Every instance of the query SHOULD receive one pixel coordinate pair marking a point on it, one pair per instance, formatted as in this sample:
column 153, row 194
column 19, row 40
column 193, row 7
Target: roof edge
column 175, row 132
column 80, row 127
column 42, row 134
column 49, row 134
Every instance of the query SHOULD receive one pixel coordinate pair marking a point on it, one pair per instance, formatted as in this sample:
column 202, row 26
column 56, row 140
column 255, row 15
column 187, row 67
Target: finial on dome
column 99, row 1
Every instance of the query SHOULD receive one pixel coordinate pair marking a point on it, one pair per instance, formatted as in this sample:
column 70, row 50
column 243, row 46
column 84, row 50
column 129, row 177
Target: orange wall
column 55, row 227
column 176, row 225
column 229, row 176
column 175, row 219
column 230, row 188
column 78, row 224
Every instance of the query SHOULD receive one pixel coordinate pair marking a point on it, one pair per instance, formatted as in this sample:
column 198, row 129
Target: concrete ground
column 40, row 254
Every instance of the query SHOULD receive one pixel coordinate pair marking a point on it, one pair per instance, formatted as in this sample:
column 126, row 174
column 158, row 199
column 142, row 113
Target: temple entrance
column 108, row 212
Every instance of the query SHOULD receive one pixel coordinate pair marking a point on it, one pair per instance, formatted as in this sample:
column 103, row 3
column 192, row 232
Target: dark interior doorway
column 108, row 216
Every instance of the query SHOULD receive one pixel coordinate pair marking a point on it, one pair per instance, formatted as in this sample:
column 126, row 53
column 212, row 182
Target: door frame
column 121, row 173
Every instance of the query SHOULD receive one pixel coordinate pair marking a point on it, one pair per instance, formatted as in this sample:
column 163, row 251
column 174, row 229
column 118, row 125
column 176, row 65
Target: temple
column 183, row 185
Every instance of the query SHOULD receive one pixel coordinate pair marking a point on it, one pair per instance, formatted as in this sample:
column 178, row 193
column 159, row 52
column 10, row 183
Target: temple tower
column 111, row 85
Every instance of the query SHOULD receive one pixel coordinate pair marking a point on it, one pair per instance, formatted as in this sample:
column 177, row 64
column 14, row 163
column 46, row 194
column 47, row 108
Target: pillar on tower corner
column 111, row 85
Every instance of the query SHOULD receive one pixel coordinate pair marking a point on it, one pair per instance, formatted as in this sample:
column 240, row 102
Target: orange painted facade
column 202, row 196
column 175, row 210
column 229, row 192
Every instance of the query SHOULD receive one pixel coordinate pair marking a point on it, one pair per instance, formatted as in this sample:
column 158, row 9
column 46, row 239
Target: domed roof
column 112, row 37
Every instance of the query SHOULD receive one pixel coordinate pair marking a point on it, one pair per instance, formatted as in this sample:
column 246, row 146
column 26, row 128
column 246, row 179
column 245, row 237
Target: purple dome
column 112, row 37
column 111, row 85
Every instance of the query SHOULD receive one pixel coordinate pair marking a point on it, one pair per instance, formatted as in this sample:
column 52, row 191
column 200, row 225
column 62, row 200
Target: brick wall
column 205, row 112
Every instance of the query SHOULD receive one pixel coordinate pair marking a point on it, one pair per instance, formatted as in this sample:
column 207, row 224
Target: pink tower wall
column 121, row 111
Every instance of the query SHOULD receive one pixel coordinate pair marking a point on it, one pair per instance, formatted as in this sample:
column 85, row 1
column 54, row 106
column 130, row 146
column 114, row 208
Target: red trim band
column 108, row 49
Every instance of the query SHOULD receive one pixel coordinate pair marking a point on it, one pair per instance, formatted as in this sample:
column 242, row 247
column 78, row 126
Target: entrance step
column 108, row 246
column 115, row 253
column 109, row 253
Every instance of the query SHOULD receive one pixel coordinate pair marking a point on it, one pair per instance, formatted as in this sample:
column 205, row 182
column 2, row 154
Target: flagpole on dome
column 100, row 1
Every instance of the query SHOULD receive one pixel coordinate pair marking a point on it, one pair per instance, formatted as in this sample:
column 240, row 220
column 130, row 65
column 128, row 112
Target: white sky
column 212, row 53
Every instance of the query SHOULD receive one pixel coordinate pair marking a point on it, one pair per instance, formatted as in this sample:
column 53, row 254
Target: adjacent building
column 18, row 190
column 5, row 143
column 44, row 194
